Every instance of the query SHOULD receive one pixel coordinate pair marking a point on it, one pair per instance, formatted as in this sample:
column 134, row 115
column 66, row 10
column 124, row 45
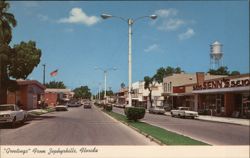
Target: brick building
column 55, row 96
column 28, row 94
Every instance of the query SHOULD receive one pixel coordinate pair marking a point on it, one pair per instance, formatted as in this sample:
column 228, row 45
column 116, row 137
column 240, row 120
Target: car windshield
column 160, row 107
column 184, row 108
column 7, row 108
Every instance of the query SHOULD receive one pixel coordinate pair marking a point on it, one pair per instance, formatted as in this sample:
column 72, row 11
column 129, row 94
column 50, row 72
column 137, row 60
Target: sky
column 75, row 40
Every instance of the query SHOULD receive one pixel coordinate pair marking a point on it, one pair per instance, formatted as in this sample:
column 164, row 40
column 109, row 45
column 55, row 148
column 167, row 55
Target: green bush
column 134, row 113
column 108, row 107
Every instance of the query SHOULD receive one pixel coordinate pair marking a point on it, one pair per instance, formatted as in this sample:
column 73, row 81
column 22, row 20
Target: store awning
column 180, row 94
column 222, row 90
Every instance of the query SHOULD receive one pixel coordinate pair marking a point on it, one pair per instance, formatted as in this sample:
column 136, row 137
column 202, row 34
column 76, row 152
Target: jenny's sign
column 223, row 83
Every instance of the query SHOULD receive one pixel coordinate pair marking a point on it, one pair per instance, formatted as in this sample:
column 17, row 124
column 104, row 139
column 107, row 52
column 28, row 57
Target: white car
column 11, row 113
column 184, row 112
column 156, row 110
column 61, row 108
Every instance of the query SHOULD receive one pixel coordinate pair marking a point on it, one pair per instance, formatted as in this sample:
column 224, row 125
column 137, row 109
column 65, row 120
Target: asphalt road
column 213, row 133
column 78, row 126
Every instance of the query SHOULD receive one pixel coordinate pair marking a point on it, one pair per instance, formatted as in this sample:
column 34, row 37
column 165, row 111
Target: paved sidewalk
column 239, row 121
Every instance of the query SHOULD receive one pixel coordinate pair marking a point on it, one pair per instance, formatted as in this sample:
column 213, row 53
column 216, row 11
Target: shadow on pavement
column 37, row 117
column 28, row 121
column 8, row 126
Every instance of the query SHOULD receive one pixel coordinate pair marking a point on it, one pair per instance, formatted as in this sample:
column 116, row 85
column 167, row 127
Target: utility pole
column 44, row 74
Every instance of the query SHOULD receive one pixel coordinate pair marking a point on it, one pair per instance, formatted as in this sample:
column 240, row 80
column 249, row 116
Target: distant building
column 140, row 95
column 122, row 96
column 55, row 96
column 29, row 94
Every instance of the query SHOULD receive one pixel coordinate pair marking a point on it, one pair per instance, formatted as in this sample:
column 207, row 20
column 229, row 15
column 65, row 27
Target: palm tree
column 7, row 22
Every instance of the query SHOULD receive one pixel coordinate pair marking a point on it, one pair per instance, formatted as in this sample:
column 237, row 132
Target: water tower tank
column 216, row 54
column 216, row 50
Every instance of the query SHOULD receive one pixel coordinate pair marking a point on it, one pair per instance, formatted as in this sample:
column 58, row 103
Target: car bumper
column 191, row 115
column 6, row 120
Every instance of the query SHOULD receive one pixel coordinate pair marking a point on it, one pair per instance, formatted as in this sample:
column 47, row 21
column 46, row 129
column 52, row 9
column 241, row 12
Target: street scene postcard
column 124, row 79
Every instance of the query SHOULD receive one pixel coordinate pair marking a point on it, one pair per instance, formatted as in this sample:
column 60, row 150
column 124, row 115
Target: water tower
column 216, row 55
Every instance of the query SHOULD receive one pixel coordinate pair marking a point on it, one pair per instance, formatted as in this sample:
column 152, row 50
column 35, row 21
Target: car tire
column 13, row 124
column 24, row 119
column 172, row 115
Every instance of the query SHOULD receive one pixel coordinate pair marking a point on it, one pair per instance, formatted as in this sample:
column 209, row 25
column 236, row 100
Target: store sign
column 223, row 83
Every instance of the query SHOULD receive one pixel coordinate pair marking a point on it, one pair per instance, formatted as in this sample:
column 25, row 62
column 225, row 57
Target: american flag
column 54, row 73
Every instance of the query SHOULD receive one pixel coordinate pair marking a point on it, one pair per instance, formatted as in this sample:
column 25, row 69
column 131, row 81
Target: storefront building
column 227, row 96
column 178, row 88
column 28, row 96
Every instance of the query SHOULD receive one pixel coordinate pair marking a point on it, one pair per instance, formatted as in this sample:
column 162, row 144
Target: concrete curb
column 218, row 121
column 139, row 131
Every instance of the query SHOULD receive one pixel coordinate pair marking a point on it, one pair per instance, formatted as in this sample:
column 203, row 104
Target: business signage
column 223, row 83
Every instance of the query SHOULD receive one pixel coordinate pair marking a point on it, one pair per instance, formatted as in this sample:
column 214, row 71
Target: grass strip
column 164, row 136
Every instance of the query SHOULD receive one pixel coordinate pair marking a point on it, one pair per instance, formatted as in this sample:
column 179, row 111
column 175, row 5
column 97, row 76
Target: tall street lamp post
column 130, row 22
column 44, row 74
column 105, row 71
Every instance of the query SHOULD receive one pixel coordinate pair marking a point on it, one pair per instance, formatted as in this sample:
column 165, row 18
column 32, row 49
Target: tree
column 122, row 85
column 234, row 73
column 82, row 92
column 55, row 84
column 7, row 22
column 162, row 72
column 24, row 59
column 108, row 93
column 148, row 84
column 223, row 70
column 17, row 62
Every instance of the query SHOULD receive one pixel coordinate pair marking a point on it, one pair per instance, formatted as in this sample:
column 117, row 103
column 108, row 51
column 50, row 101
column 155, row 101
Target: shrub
column 108, row 107
column 134, row 113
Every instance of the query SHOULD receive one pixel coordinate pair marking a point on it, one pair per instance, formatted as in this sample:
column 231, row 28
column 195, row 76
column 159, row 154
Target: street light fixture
column 105, row 71
column 130, row 22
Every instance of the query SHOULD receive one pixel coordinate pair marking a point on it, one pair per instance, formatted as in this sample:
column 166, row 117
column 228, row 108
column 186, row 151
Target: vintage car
column 87, row 105
column 11, row 114
column 184, row 112
column 61, row 108
column 74, row 104
column 156, row 110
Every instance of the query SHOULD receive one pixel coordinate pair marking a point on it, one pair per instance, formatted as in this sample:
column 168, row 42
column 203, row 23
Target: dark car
column 74, row 104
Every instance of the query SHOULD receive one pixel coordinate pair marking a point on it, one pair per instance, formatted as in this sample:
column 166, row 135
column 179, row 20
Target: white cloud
column 43, row 17
column 188, row 34
column 166, row 12
column 80, row 17
column 171, row 24
column 152, row 47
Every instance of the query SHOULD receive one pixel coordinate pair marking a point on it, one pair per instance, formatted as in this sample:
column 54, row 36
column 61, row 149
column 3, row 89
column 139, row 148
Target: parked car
column 87, row 105
column 157, row 110
column 61, row 108
column 11, row 114
column 120, row 105
column 184, row 112
column 74, row 104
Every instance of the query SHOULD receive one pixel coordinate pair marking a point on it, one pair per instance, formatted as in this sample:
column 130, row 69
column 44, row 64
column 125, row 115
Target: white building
column 140, row 95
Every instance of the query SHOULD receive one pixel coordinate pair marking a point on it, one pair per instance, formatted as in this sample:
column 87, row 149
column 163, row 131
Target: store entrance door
column 219, row 104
